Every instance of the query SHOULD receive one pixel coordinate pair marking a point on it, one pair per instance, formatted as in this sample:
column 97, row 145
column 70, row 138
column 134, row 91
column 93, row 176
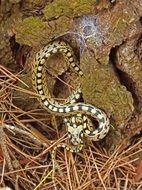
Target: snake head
column 75, row 127
column 75, row 134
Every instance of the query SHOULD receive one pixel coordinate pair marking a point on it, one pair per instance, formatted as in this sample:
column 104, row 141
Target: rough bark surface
column 107, row 39
column 105, row 35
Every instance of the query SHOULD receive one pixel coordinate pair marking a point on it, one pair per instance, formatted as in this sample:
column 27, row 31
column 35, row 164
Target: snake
column 77, row 116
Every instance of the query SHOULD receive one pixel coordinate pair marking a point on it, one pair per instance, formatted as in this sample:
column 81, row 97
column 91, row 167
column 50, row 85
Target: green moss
column 101, row 88
column 68, row 8
column 33, row 23
column 29, row 30
column 56, row 9
column 34, row 1
column 32, row 31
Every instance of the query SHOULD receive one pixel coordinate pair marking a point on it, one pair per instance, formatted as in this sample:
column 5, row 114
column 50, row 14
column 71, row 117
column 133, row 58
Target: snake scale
column 77, row 115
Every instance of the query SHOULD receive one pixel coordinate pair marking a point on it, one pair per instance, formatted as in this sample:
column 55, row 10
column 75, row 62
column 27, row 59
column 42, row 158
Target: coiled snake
column 76, row 115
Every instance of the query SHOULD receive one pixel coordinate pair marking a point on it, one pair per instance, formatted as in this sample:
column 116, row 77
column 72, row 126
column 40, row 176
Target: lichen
column 34, row 1
column 115, row 27
column 128, row 62
column 29, row 31
column 68, row 8
column 56, row 19
column 33, row 31
column 101, row 88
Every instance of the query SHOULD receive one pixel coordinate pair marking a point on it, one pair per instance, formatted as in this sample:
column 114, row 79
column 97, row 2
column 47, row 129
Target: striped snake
column 76, row 115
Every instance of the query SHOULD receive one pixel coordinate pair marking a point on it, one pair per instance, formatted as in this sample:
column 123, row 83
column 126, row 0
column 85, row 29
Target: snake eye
column 69, row 135
column 81, row 135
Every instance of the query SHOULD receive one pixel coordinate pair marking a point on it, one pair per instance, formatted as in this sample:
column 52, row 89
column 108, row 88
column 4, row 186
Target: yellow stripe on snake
column 76, row 115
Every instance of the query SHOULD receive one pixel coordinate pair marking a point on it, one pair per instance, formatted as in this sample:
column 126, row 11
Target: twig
column 4, row 149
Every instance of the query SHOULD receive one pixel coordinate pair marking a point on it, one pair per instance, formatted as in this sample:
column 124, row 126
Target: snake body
column 76, row 115
column 69, row 108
